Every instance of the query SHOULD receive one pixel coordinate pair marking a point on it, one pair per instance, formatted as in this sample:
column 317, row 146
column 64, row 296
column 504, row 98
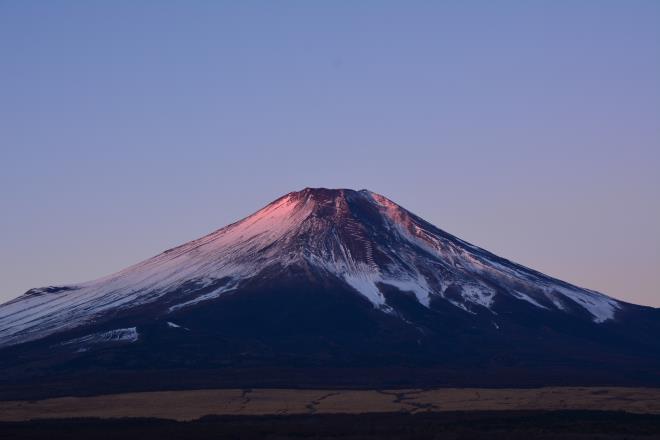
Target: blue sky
column 528, row 128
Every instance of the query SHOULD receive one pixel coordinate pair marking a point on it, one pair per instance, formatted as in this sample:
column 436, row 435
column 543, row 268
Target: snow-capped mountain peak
column 360, row 238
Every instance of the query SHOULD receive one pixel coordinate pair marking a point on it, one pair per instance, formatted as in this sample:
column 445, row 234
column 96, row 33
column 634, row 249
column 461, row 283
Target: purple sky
column 529, row 128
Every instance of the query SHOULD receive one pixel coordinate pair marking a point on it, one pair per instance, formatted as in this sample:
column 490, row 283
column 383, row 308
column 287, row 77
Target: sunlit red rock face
column 341, row 278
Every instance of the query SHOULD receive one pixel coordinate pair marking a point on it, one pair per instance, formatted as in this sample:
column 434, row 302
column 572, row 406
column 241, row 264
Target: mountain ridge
column 329, row 278
column 326, row 212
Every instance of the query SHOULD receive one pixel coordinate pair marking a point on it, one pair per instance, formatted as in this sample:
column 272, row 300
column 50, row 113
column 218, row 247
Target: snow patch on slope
column 171, row 324
column 417, row 286
column 601, row 307
column 527, row 298
column 129, row 335
column 205, row 297
column 365, row 283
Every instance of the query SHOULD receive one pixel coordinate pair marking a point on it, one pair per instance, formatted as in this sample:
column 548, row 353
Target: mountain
column 323, row 287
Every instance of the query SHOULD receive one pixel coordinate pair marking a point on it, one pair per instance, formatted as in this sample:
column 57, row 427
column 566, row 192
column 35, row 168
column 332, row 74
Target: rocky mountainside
column 328, row 287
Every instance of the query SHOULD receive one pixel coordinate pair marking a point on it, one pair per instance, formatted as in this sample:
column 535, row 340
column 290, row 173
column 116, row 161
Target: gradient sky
column 529, row 128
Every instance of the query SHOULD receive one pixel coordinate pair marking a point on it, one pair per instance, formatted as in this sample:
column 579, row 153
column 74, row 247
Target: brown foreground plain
column 194, row 404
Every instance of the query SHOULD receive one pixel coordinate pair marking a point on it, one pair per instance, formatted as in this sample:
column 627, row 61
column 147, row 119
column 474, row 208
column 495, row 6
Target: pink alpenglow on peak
column 359, row 237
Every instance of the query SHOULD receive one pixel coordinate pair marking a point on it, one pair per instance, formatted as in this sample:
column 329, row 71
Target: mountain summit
column 331, row 278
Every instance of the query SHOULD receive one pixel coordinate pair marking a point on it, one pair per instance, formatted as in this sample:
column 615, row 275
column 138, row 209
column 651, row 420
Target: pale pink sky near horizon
column 531, row 129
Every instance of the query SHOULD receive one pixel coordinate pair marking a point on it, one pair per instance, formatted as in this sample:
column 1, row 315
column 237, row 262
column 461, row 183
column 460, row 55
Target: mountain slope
column 331, row 279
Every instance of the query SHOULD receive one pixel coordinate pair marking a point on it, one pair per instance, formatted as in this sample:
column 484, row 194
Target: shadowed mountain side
column 323, row 288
